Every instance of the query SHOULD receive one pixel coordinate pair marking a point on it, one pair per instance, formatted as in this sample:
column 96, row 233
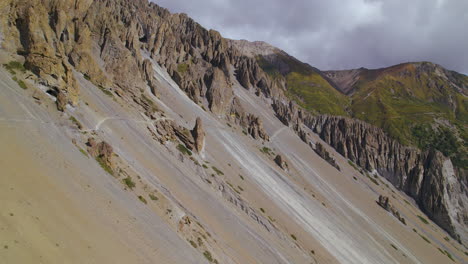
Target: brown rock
column 281, row 162
column 198, row 135
column 61, row 101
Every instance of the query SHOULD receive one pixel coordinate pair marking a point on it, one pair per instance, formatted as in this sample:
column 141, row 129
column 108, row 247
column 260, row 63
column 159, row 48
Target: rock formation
column 324, row 154
column 198, row 135
column 114, row 43
column 428, row 176
column 279, row 160
column 384, row 202
column 102, row 151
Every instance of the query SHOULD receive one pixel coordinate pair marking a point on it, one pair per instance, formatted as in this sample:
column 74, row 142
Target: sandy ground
column 59, row 206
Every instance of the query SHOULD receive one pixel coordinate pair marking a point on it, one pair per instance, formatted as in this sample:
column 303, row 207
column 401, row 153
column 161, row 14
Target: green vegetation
column 153, row 197
column 86, row 76
column 20, row 83
column 353, row 165
column 315, row 94
column 208, row 256
column 104, row 165
column 217, row 171
column 129, row 182
column 393, row 246
column 263, row 210
column 293, row 237
column 442, row 139
column 182, row 68
column 76, row 122
column 83, row 152
column 449, row 255
column 242, row 177
column 150, row 103
column 105, row 91
column 184, row 150
column 447, row 239
column 193, row 244
column 424, row 220
column 204, row 166
column 240, row 188
column 142, row 199
column 14, row 66
column 372, row 179
column 445, row 252
column 266, row 150
column 425, row 238
column 411, row 102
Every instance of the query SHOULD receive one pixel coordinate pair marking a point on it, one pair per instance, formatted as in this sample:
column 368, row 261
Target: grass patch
column 240, row 188
column 265, row 150
column 14, row 66
column 204, row 166
column 142, row 199
column 424, row 220
column 104, row 165
column 447, row 239
column 263, row 210
column 76, row 122
column 353, row 165
column 105, row 91
column 393, row 246
column 184, row 150
column 182, row 68
column 193, row 244
column 84, row 152
column 372, row 179
column 129, row 182
column 294, row 237
column 208, row 256
column 150, row 103
column 425, row 239
column 242, row 177
column 20, row 83
column 219, row 172
column 86, row 76
column 153, row 197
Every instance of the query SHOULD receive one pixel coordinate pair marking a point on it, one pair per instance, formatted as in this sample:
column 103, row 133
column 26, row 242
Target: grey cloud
column 342, row 34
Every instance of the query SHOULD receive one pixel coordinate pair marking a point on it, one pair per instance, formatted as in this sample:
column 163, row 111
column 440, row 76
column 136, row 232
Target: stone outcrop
column 219, row 92
column 281, row 162
column 255, row 128
column 427, row 176
column 384, row 202
column 194, row 139
column 251, row 123
column 324, row 154
column 198, row 135
column 101, row 151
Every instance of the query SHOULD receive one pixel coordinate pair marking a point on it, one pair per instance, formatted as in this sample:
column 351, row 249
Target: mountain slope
column 418, row 104
column 163, row 140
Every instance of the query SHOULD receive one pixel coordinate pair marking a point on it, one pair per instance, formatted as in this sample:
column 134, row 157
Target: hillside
column 129, row 134
column 411, row 101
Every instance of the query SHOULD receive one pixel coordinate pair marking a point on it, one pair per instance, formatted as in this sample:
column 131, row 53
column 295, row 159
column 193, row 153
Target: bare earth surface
column 59, row 206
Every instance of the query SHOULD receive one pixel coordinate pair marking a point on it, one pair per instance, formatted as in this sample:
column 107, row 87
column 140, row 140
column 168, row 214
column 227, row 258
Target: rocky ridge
column 427, row 176
column 108, row 42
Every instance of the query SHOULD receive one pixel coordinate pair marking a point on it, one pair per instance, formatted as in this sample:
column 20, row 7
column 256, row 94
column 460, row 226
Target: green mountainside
column 420, row 104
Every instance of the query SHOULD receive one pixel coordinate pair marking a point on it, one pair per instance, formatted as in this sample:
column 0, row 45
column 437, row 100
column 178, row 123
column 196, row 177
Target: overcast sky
column 343, row 34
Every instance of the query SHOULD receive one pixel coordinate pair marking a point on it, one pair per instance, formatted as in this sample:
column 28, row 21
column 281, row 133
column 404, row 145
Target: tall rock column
column 198, row 135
